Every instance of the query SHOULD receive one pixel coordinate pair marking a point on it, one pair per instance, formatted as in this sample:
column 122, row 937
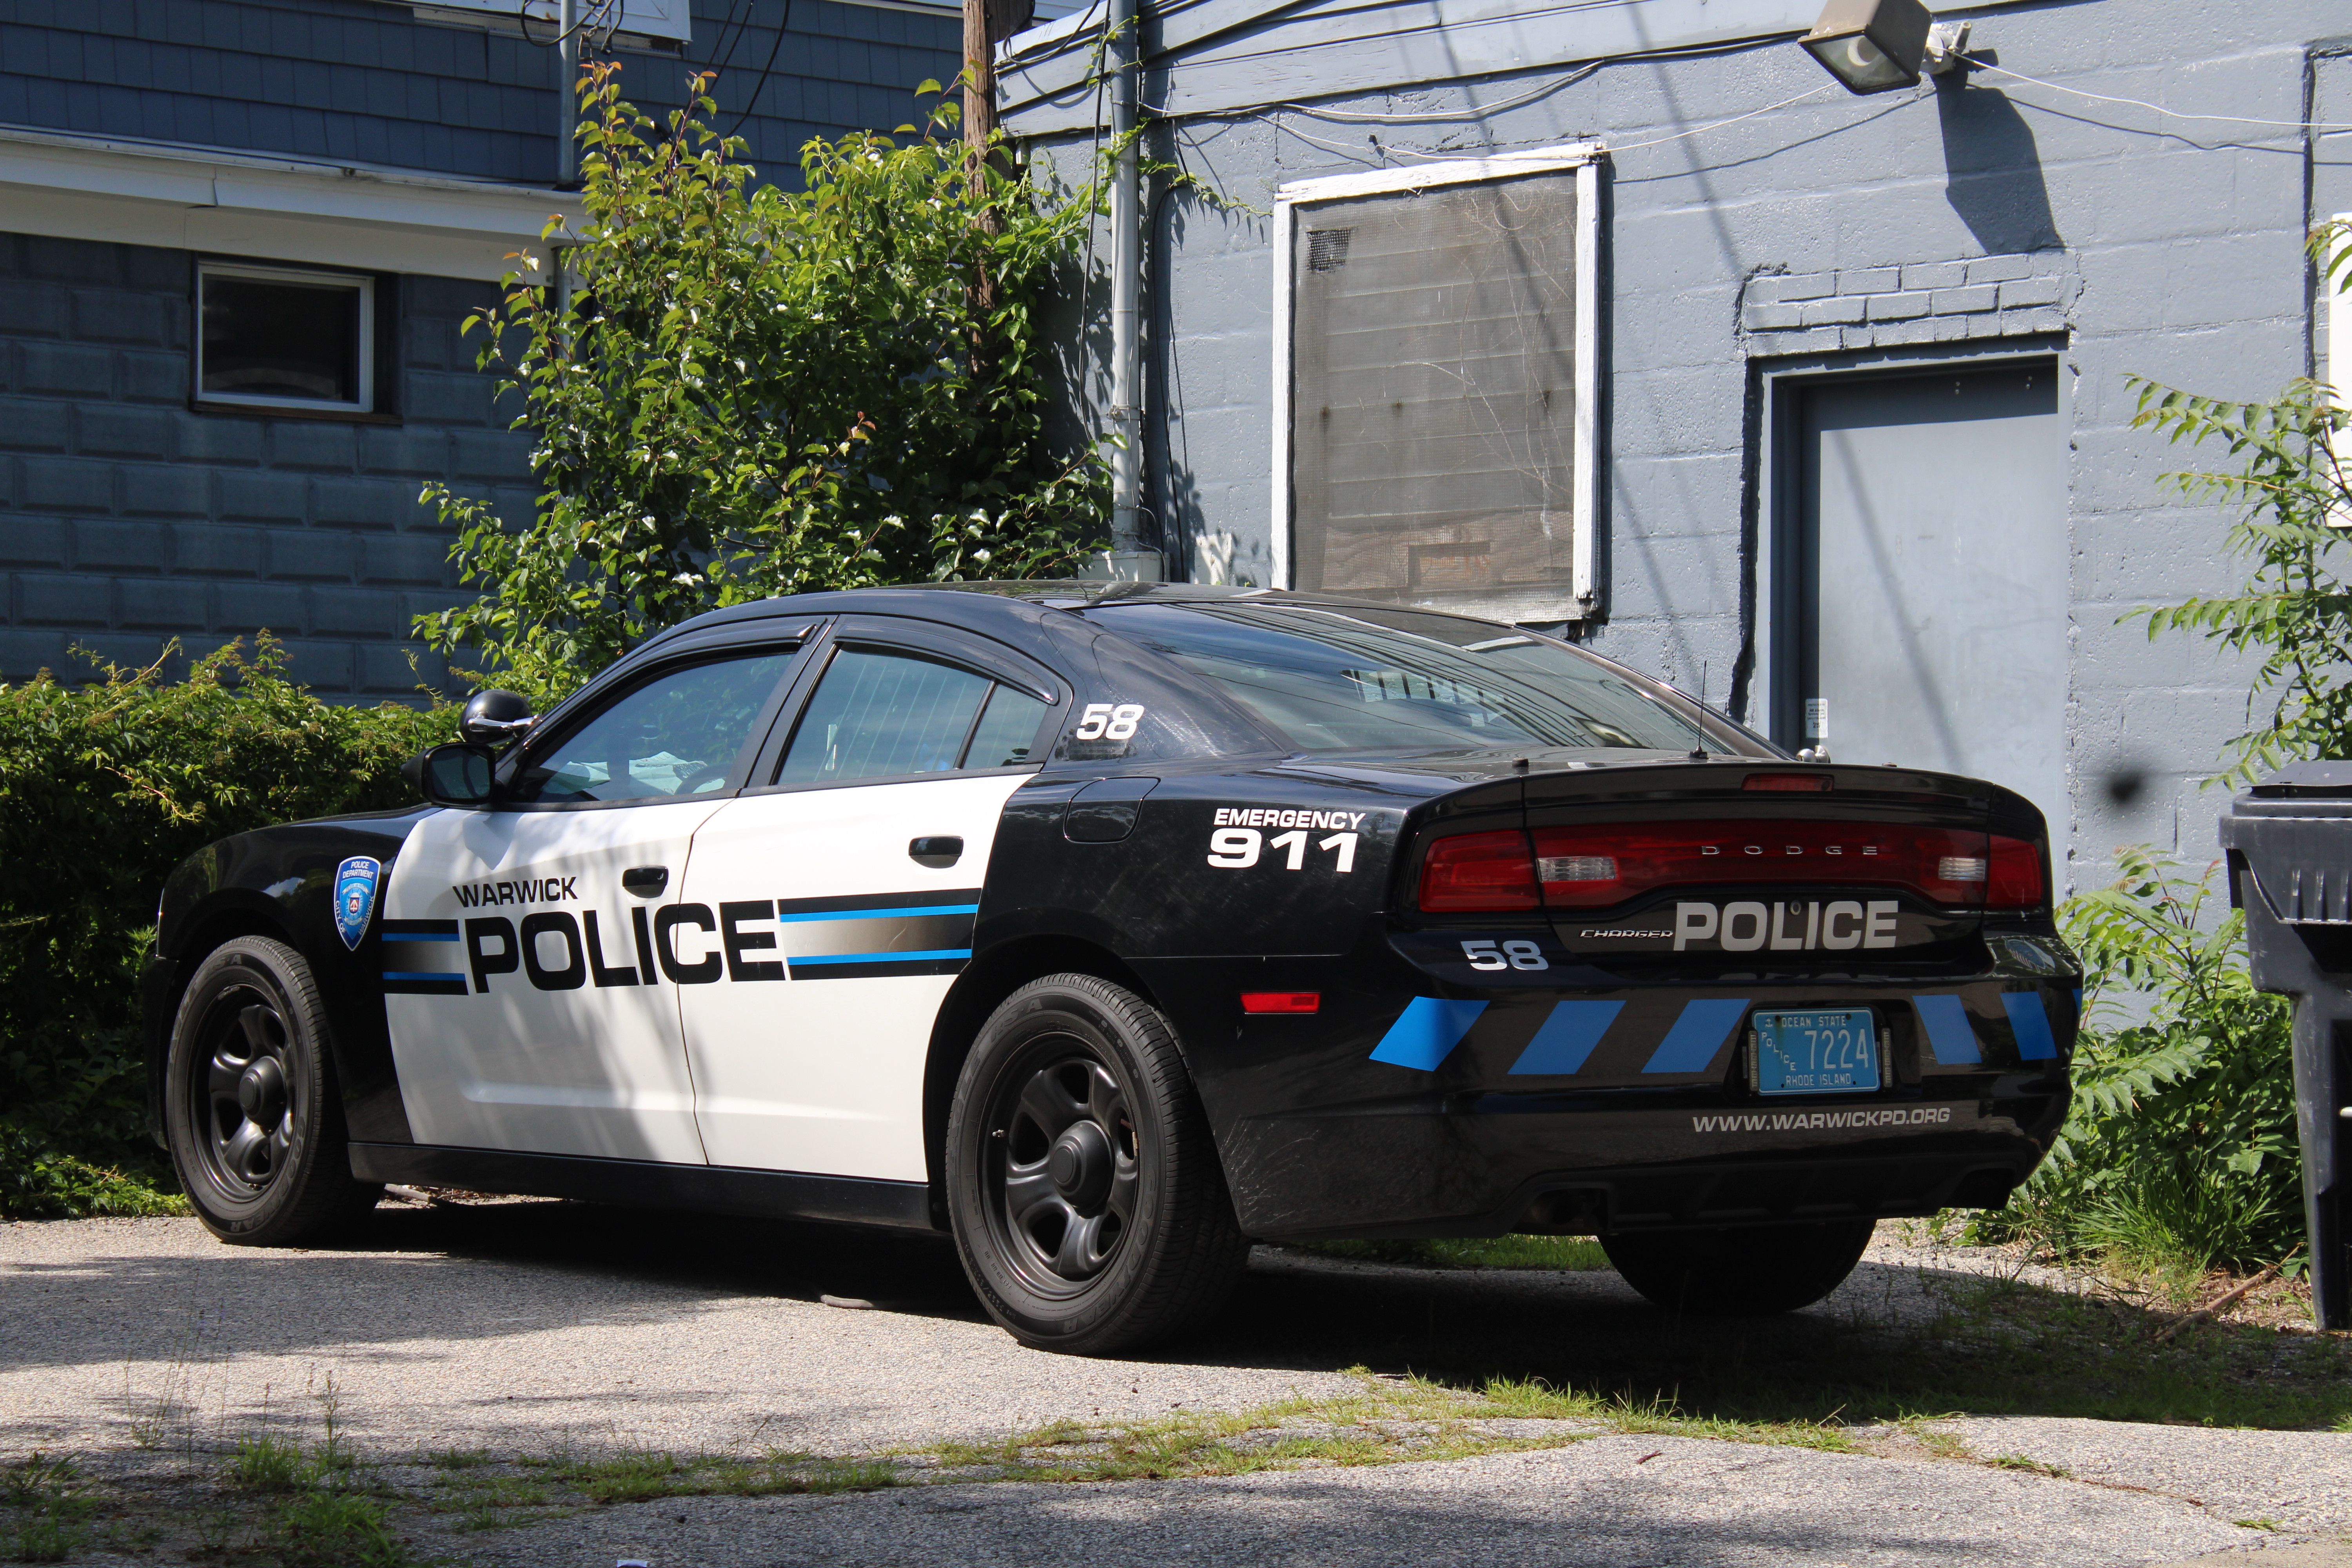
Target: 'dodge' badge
column 355, row 881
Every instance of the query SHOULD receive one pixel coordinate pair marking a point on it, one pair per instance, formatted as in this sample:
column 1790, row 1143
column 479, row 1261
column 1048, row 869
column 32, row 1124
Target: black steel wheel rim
column 245, row 1098
column 1062, row 1163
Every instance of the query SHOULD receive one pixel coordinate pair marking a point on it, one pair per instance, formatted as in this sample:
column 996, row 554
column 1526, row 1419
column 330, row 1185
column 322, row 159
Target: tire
column 1088, row 1202
column 250, row 1108
column 1746, row 1273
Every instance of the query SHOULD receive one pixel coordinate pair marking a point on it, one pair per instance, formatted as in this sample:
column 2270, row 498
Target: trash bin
column 2289, row 842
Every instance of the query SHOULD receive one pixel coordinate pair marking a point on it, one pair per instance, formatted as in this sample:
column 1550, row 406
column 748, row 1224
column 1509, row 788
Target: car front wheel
column 1088, row 1202
column 1744, row 1273
column 249, row 1107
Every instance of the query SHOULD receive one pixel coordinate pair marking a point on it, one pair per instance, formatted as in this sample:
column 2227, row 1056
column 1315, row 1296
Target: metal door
column 1922, row 597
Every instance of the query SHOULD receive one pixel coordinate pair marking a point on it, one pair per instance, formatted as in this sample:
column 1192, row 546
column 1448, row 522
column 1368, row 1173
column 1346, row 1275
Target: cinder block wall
column 1851, row 234
column 128, row 521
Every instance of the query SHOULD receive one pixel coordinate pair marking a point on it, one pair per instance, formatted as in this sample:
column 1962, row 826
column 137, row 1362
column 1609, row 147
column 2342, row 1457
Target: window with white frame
column 1434, row 405
column 277, row 338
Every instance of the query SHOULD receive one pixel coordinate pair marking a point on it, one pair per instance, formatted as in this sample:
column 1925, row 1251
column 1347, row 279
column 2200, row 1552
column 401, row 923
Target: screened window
column 286, row 339
column 1433, row 397
column 677, row 734
column 887, row 715
column 1404, row 680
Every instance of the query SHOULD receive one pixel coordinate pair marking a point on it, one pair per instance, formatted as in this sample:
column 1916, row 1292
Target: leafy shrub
column 2293, row 491
column 2180, row 1149
column 104, row 788
column 754, row 392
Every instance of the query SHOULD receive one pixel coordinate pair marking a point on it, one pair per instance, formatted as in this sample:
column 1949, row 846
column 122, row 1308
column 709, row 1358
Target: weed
column 627, row 1477
column 502, row 1491
column 635, row 1478
column 265, row 1463
column 2258, row 1524
column 336, row 1530
column 52, row 1510
column 459, row 1459
column 2033, row 1467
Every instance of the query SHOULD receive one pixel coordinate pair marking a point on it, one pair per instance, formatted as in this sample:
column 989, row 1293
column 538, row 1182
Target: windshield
column 1376, row 678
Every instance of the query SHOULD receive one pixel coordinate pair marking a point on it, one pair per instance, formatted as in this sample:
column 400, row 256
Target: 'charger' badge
column 355, row 881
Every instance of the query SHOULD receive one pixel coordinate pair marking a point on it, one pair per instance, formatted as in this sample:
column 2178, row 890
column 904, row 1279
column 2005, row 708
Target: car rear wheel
column 1085, row 1192
column 249, row 1105
column 1746, row 1273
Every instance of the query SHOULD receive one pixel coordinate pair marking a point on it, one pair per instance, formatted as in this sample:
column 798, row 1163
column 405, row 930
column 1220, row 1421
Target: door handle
column 645, row 881
column 938, row 852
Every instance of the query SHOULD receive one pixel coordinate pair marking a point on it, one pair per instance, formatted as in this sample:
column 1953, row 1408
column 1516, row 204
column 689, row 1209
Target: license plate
column 1832, row 1051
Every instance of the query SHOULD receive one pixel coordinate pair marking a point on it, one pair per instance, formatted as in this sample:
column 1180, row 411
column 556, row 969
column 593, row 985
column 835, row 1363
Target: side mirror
column 495, row 717
column 454, row 774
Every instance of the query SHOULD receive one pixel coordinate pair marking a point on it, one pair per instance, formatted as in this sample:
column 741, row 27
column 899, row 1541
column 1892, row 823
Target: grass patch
column 1578, row 1252
column 641, row 1476
column 336, row 1530
column 49, row 1510
column 266, row 1465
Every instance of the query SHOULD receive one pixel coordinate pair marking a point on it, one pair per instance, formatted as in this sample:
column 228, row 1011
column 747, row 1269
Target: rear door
column 844, row 887
column 531, row 967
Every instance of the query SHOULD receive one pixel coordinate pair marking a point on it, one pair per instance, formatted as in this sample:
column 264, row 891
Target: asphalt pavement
column 526, row 1327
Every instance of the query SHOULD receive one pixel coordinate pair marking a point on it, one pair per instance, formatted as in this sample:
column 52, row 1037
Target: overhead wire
column 783, row 26
column 2157, row 108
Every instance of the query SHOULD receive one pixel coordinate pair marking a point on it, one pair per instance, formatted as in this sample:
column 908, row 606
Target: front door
column 531, row 960
column 1923, row 609
column 843, row 894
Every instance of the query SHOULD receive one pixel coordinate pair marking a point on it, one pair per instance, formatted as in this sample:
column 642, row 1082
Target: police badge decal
column 355, row 881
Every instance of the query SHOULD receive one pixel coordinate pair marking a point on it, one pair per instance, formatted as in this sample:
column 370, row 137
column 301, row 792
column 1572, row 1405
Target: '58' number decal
column 1232, row 848
column 1102, row 721
column 1484, row 952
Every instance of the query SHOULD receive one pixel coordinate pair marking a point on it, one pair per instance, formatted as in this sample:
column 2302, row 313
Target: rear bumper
column 1489, row 1172
column 1583, row 1108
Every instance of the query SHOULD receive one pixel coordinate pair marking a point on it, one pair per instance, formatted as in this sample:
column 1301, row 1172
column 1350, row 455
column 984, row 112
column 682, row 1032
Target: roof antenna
column 1699, row 751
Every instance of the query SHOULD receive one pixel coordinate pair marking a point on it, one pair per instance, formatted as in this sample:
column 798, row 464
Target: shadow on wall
column 1992, row 170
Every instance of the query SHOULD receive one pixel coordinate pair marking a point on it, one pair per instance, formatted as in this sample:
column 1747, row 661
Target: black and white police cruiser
column 1109, row 927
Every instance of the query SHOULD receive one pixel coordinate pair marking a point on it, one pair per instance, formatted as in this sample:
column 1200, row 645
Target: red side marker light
column 1799, row 784
column 1281, row 1001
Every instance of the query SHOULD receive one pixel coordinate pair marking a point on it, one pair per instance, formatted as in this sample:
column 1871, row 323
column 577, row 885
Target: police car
column 1111, row 927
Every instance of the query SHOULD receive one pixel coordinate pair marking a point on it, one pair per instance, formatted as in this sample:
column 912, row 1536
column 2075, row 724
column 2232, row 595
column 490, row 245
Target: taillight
column 1606, row 863
column 1479, row 872
column 2016, row 880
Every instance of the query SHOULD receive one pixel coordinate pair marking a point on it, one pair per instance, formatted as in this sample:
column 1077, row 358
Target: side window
column 1007, row 735
column 889, row 715
column 677, row 734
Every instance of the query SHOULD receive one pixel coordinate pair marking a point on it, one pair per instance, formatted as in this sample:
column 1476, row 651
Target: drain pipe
column 567, row 95
column 1129, row 560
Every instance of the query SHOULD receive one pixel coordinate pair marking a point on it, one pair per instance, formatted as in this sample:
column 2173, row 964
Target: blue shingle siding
column 127, row 519
column 362, row 80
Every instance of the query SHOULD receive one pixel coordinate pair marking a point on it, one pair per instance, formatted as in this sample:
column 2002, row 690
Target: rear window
column 1385, row 679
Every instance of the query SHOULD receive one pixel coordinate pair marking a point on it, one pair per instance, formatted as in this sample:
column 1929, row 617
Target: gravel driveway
column 528, row 1326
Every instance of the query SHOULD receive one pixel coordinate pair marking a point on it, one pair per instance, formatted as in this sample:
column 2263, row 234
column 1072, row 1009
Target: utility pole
column 986, row 23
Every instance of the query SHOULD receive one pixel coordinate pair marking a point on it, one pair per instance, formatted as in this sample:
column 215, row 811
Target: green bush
column 2179, row 1151
column 105, row 786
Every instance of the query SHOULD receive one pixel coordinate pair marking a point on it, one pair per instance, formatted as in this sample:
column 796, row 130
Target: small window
column 1007, row 731
column 882, row 715
column 677, row 734
column 280, row 339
